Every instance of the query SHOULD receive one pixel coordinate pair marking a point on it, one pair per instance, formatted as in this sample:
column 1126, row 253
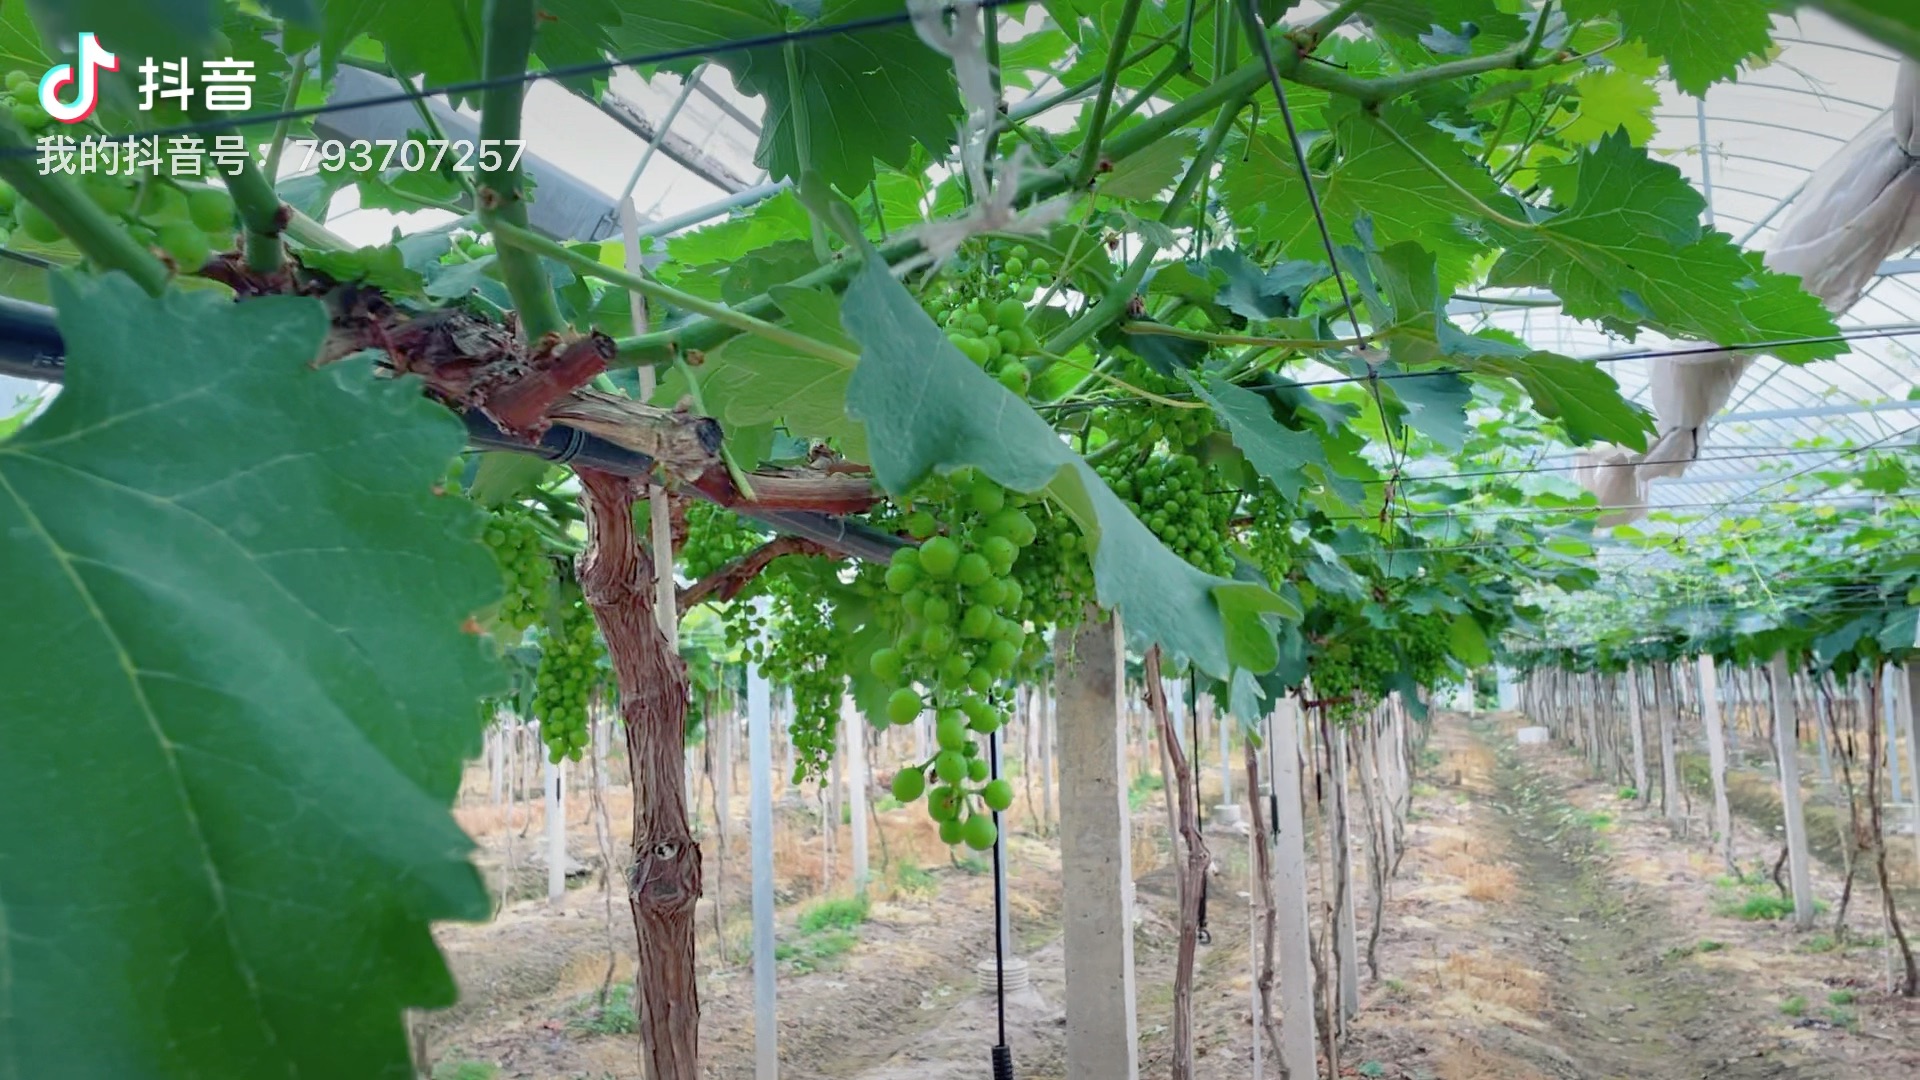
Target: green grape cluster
column 989, row 324
column 1350, row 673
column 1148, row 424
column 956, row 641
column 563, row 685
column 796, row 647
column 715, row 537
column 1175, row 497
column 517, row 547
column 1055, row 574
column 186, row 222
column 1426, row 642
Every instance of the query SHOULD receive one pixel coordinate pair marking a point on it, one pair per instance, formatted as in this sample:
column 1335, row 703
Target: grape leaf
column 1584, row 398
column 1891, row 22
column 1629, row 250
column 1376, row 178
column 442, row 41
column 1479, row 23
column 1147, row 173
column 1702, row 41
column 1272, row 293
column 1610, row 100
column 750, row 381
column 131, row 29
column 927, row 408
column 861, row 95
column 238, row 698
column 1279, row 453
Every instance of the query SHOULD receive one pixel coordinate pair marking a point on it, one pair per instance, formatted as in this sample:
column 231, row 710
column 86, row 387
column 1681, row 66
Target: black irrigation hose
column 1002, row 1055
column 31, row 348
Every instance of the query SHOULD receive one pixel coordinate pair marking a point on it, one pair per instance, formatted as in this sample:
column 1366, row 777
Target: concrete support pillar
column 1096, row 854
column 1637, row 723
column 854, row 728
column 1664, row 708
column 1716, row 758
column 1292, row 932
column 1787, row 743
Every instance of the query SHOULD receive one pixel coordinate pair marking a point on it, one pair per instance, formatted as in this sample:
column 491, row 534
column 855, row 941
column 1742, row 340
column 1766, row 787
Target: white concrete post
column 1909, row 705
column 556, row 808
column 853, row 728
column 1637, row 723
column 766, row 1034
column 1787, row 743
column 1664, row 706
column 1716, row 756
column 1096, row 853
column 1294, row 936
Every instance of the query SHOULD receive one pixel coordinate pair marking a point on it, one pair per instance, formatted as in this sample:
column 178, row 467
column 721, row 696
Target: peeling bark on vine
column 1263, row 875
column 1910, row 981
column 664, row 883
column 1192, row 873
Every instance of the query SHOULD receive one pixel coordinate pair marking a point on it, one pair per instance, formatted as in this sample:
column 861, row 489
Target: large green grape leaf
column 1702, row 41
column 442, row 40
column 1628, row 249
column 1584, row 398
column 1277, row 452
column 860, row 95
column 927, row 408
column 1375, row 178
column 1892, row 22
column 236, row 694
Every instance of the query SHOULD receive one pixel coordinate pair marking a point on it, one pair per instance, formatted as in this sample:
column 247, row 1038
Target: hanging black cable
column 1002, row 1056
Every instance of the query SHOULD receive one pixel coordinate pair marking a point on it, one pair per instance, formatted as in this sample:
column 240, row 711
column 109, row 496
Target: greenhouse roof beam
column 676, row 148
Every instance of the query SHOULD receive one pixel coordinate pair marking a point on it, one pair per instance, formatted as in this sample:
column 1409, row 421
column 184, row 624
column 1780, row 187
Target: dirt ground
column 1538, row 927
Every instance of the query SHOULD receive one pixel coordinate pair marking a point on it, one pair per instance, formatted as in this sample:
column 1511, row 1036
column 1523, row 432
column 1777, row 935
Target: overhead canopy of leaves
column 927, row 408
column 856, row 97
column 241, row 702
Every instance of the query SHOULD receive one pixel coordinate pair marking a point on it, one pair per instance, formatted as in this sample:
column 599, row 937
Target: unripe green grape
column 904, row 705
column 950, row 731
column 944, row 803
column 973, row 569
column 939, row 556
column 998, row 795
column 950, row 766
column 36, row 224
column 937, row 611
column 976, row 770
column 979, row 832
column 908, row 784
column 886, row 664
column 952, row 832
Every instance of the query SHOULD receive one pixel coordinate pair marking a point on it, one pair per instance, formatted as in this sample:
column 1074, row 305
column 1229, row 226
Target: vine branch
column 509, row 43
column 725, row 583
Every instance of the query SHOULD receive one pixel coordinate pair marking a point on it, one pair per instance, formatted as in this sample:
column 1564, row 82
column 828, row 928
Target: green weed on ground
column 834, row 913
column 815, row 951
column 614, row 1018
column 1794, row 1006
column 466, row 1070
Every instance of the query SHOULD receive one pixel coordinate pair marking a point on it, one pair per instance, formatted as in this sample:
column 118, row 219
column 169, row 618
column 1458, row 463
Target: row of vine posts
column 1326, row 799
column 1640, row 727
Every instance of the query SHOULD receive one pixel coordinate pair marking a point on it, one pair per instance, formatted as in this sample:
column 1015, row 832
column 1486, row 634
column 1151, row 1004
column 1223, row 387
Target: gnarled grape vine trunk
column 663, row 886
